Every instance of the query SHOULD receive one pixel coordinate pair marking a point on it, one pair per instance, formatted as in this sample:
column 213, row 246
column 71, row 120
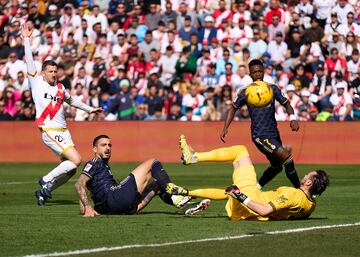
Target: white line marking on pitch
column 25, row 182
column 115, row 248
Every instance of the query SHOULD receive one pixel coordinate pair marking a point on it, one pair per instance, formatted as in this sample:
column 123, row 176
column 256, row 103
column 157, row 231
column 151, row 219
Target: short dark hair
column 48, row 63
column 96, row 139
column 319, row 182
column 255, row 62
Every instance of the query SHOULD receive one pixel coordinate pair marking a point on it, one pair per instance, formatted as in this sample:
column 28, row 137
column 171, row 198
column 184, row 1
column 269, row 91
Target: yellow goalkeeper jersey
column 287, row 202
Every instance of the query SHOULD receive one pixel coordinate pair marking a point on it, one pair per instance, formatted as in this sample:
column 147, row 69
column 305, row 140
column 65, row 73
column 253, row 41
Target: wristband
column 242, row 197
column 247, row 200
column 292, row 117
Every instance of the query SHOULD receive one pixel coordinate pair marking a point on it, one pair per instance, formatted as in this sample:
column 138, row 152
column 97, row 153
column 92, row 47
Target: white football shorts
column 58, row 140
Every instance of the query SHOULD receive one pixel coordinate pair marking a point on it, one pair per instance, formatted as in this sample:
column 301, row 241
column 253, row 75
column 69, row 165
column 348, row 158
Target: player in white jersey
column 49, row 96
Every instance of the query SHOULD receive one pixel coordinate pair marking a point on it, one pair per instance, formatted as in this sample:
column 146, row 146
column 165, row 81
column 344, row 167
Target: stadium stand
column 184, row 60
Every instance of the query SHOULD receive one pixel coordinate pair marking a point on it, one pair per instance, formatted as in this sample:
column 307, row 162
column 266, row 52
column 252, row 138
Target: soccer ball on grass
column 259, row 94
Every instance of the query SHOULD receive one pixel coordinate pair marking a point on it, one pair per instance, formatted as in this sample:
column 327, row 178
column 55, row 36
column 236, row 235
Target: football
column 259, row 94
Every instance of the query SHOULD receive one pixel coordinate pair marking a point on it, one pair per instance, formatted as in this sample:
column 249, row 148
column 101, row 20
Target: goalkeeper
column 244, row 199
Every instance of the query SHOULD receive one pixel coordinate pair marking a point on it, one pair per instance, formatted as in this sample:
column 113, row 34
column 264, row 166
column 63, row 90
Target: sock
column 211, row 193
column 232, row 153
column 269, row 174
column 291, row 172
column 63, row 168
column 62, row 179
column 160, row 174
column 165, row 197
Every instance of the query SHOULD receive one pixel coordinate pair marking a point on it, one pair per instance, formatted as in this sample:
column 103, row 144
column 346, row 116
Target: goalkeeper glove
column 234, row 192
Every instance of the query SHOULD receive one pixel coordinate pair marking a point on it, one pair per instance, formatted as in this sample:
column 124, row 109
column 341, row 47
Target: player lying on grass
column 130, row 195
column 244, row 199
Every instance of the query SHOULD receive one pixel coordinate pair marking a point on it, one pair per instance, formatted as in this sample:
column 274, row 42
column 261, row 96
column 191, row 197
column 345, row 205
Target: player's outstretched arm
column 26, row 33
column 259, row 208
column 293, row 122
column 229, row 118
column 83, row 197
column 77, row 103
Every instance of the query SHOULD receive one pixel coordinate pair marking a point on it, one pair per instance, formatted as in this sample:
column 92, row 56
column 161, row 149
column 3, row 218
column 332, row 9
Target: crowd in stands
column 184, row 59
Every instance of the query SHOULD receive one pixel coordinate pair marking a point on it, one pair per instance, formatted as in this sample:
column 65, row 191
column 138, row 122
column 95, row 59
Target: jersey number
column 59, row 138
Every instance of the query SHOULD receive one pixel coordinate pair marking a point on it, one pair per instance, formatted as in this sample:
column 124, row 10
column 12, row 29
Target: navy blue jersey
column 263, row 121
column 101, row 179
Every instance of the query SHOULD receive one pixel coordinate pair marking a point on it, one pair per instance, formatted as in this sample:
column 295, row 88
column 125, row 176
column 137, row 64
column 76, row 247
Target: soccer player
column 49, row 96
column 130, row 195
column 245, row 201
column 264, row 131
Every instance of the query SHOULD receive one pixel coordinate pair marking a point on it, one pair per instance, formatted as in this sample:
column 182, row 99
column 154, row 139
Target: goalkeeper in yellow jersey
column 244, row 199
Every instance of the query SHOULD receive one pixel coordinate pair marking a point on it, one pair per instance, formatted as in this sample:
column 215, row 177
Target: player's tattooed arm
column 85, row 204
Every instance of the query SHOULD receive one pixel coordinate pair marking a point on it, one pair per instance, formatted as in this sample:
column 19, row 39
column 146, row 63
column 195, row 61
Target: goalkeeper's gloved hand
column 234, row 192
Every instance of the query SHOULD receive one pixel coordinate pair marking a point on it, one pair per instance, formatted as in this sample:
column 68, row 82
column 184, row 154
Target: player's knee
column 241, row 151
column 77, row 160
column 288, row 161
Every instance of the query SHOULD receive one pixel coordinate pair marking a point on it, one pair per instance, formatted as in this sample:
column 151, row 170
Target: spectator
column 207, row 32
column 187, row 30
column 185, row 12
column 21, row 84
column 10, row 96
column 169, row 14
column 310, row 54
column 335, row 63
column 320, row 86
column 4, row 116
column 299, row 79
column 274, row 9
column 342, row 102
column 276, row 27
column 37, row 18
column 323, row 8
column 315, row 33
column 242, row 33
column 257, row 46
column 157, row 116
column 353, row 65
column 153, row 17
column 293, row 97
column 148, row 44
column 167, row 64
column 293, row 53
column 194, row 100
column 49, row 50
column 13, row 66
column 331, row 27
column 186, row 63
column 120, row 16
column 52, row 17
column 189, row 115
column 277, row 49
column 153, row 100
column 141, row 112
column 349, row 46
column 226, row 58
column 122, row 106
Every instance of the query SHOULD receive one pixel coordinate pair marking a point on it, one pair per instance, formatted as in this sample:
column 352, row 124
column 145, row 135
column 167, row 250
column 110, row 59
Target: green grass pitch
column 26, row 228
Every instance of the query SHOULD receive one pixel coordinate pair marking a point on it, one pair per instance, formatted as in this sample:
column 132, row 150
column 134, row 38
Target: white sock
column 62, row 168
column 258, row 185
column 62, row 179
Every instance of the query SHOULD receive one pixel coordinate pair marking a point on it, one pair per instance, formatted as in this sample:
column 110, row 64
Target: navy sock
column 291, row 172
column 160, row 174
column 269, row 174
